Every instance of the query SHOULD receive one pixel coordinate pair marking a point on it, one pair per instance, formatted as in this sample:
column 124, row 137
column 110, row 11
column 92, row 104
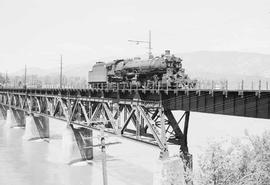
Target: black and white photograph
column 134, row 92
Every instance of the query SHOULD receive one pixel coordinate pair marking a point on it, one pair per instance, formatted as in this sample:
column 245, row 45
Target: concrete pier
column 77, row 144
column 19, row 117
column 3, row 113
column 36, row 127
column 2, row 117
column 84, row 141
column 15, row 118
column 10, row 119
column 169, row 171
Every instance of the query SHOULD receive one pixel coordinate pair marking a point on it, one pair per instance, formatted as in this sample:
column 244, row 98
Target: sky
column 36, row 32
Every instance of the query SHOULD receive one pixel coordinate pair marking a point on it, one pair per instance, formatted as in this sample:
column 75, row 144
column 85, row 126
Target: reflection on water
column 43, row 161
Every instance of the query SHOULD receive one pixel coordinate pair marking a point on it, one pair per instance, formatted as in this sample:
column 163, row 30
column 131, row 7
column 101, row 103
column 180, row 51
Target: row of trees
column 3, row 78
column 242, row 162
column 41, row 81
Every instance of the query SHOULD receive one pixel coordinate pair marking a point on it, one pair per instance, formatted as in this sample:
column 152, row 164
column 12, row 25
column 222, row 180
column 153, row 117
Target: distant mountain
column 225, row 64
column 216, row 65
column 79, row 70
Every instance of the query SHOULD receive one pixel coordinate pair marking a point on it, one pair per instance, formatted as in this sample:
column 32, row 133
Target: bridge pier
column 19, row 117
column 15, row 118
column 84, row 140
column 169, row 171
column 9, row 119
column 36, row 127
column 3, row 113
column 77, row 140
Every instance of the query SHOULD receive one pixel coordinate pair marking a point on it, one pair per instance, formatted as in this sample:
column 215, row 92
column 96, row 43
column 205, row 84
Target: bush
column 243, row 162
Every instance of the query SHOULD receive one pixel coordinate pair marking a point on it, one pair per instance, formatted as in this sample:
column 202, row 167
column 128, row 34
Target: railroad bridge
column 145, row 115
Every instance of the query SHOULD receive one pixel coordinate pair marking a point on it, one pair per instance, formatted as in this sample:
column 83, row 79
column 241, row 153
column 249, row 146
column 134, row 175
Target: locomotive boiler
column 165, row 70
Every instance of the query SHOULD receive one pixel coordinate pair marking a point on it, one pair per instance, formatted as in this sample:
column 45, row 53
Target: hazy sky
column 35, row 32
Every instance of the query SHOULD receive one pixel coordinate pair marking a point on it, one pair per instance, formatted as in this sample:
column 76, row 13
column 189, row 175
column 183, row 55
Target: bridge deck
column 246, row 103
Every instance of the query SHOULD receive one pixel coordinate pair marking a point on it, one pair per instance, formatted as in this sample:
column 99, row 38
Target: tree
column 242, row 163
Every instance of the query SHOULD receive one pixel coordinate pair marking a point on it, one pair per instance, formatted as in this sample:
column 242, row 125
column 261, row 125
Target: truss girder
column 134, row 119
column 174, row 124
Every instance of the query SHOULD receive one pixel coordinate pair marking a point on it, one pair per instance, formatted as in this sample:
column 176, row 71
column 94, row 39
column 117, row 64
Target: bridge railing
column 234, row 85
column 200, row 85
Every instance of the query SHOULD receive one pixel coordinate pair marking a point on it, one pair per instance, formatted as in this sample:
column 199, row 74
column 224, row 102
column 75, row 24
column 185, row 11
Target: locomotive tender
column 165, row 70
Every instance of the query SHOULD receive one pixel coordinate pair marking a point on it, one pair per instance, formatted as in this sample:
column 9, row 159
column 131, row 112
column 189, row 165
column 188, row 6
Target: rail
column 155, row 87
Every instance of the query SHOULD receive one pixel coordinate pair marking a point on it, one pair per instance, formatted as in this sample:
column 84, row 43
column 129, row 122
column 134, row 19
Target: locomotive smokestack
column 167, row 52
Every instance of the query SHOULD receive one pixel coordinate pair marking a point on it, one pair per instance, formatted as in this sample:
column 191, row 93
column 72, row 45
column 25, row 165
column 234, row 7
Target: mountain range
column 210, row 65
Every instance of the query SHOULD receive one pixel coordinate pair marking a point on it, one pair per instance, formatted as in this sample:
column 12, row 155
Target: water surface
column 40, row 162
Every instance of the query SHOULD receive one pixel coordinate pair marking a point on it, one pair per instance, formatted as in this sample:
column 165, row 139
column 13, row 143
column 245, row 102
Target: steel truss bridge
column 144, row 115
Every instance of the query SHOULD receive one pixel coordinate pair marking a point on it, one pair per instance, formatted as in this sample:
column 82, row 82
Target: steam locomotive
column 165, row 70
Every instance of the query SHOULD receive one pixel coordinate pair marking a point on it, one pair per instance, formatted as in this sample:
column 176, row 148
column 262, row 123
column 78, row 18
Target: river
column 39, row 161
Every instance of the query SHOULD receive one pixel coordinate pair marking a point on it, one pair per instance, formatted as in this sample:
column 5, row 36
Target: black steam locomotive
column 165, row 70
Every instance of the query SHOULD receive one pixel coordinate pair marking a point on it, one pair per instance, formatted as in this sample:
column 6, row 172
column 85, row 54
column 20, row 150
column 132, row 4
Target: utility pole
column 25, row 70
column 103, row 151
column 6, row 79
column 61, row 71
column 149, row 42
column 149, row 46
